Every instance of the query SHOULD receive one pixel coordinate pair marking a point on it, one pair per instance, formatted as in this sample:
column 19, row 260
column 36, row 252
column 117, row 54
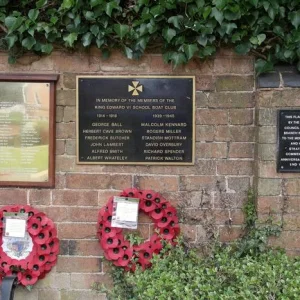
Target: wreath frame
column 44, row 251
column 118, row 250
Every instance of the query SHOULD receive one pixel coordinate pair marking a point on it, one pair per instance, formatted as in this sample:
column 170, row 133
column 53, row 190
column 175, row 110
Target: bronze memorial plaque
column 136, row 120
column 27, row 130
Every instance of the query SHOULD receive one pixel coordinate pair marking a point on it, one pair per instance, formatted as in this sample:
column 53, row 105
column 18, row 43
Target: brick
column 267, row 117
column 57, row 214
column 60, row 147
column 49, row 294
column 292, row 186
column 201, row 234
column 83, row 214
column 197, row 183
column 167, row 170
column 103, row 196
column 242, row 133
column 199, row 66
column 291, row 204
column 265, row 218
column 65, row 130
column 241, row 150
column 86, row 281
column 269, row 204
column 71, row 147
column 235, row 83
column 230, row 218
column 81, row 295
column 267, row 152
column 157, row 183
column 189, row 232
column 205, row 83
column 275, row 98
column 267, row 135
column 45, row 63
column 211, row 117
column 21, row 294
column 201, row 99
column 55, row 281
column 205, row 133
column 64, row 163
column 242, row 65
column 238, row 184
column 227, row 200
column 269, row 187
column 206, row 167
column 211, row 150
column 291, row 222
column 268, row 80
column 87, row 248
column 98, row 181
column 231, row 100
column 69, row 114
column 198, row 199
column 240, row 116
column 13, row 196
column 60, row 181
column 290, row 240
column 59, row 116
column 39, row 197
column 157, row 63
column 229, row 234
column 235, row 167
column 77, row 230
column 74, row 198
column 69, row 82
column 222, row 65
column 66, row 97
column 78, row 264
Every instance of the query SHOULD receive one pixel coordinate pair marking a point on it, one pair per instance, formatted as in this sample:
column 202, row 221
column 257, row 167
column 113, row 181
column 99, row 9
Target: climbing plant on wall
column 181, row 29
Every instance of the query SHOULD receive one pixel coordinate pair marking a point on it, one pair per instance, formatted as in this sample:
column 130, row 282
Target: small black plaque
column 288, row 159
column 135, row 120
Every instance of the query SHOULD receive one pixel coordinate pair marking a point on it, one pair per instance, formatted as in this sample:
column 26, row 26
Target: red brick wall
column 209, row 195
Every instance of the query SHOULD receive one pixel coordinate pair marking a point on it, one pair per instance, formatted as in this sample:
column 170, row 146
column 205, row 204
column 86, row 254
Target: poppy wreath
column 45, row 247
column 118, row 250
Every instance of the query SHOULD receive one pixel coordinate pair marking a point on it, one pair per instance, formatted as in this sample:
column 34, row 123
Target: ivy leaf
column 89, row 15
column 121, row 30
column 33, row 14
column 168, row 34
column 263, row 66
column 70, row 39
column 67, row 4
column 99, row 42
column 254, row 2
column 110, row 6
column 41, row 3
column 243, row 48
column 12, row 60
column 12, row 23
column 3, row 2
column 53, row 19
column 202, row 40
column 105, row 53
column 128, row 52
column 87, row 39
column 176, row 21
column 294, row 17
column 94, row 29
column 217, row 14
column 28, row 42
column 206, row 12
column 47, row 48
column 94, row 3
column 11, row 40
column 190, row 50
column 178, row 59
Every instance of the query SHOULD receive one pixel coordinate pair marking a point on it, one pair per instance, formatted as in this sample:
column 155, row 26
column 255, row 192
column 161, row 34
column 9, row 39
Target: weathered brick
column 275, row 98
column 64, row 163
column 267, row 117
column 70, row 198
column 60, row 147
column 228, row 234
column 238, row 184
column 59, row 116
column 81, row 295
column 39, row 197
column 21, row 294
column 269, row 187
column 241, row 150
column 85, row 281
column 201, row 99
column 290, row 240
column 205, row 133
column 69, row 114
column 55, row 281
column 189, row 232
column 211, row 117
column 66, row 97
column 229, row 217
column 201, row 234
column 234, row 133
column 49, row 294
column 71, row 147
column 267, row 135
column 198, row 183
column 60, row 181
column 206, row 167
column 86, row 248
column 229, row 200
column 211, row 150
column 74, row 264
column 77, row 230
column 157, row 183
column 242, row 65
column 267, row 152
column 235, row 167
column 240, row 116
column 104, row 195
column 292, row 186
column 291, row 222
column 13, row 196
column 198, row 66
column 205, row 83
column 83, row 214
column 69, row 82
column 57, row 214
column 98, row 181
column 235, row 83
column 291, row 204
column 231, row 100
column 269, row 204
column 65, row 130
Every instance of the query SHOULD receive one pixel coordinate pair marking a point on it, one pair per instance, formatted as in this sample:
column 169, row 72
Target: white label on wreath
column 15, row 227
column 17, row 248
column 125, row 212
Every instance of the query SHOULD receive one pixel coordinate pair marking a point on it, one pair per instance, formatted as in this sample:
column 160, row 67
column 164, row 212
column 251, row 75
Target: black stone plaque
column 135, row 120
column 288, row 159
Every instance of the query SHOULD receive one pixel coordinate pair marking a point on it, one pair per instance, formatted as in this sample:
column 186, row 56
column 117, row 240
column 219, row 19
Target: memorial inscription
column 288, row 159
column 135, row 120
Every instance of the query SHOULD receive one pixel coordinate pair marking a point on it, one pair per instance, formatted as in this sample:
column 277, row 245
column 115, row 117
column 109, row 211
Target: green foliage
column 182, row 28
column 244, row 269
